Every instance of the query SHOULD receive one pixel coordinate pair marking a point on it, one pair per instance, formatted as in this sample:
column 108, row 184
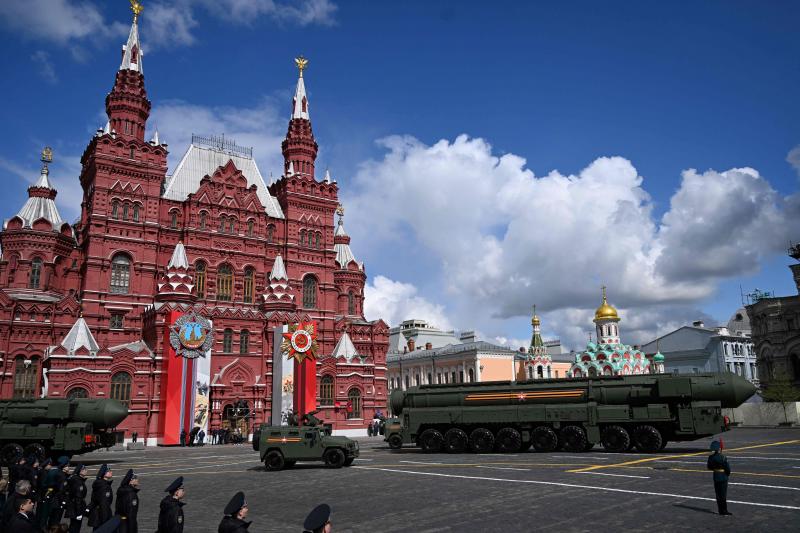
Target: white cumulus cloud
column 395, row 301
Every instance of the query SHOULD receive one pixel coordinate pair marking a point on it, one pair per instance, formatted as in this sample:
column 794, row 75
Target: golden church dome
column 605, row 311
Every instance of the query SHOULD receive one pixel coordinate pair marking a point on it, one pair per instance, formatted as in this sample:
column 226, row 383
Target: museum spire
column 299, row 147
column 127, row 105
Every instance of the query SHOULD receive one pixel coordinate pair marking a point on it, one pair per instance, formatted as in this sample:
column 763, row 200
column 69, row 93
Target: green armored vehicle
column 282, row 446
column 57, row 426
column 620, row 412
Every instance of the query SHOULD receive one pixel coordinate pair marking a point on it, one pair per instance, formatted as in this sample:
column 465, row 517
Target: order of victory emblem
column 300, row 341
column 191, row 336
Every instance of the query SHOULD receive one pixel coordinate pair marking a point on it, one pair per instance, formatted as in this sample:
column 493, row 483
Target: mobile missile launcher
column 282, row 446
column 57, row 426
column 620, row 412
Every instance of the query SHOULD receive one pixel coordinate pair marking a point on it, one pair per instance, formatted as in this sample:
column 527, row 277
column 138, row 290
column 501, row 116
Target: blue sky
column 665, row 87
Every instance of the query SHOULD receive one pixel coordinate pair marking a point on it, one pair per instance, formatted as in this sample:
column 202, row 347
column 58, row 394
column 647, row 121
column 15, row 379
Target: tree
column 782, row 390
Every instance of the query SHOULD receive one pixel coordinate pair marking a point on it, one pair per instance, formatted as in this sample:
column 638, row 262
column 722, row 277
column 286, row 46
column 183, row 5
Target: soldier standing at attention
column 170, row 515
column 722, row 470
column 76, row 498
column 102, row 496
column 56, row 491
column 318, row 520
column 128, row 503
column 44, row 468
column 235, row 513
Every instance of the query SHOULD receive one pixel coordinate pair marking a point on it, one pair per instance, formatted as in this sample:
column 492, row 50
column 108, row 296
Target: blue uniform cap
column 129, row 475
column 102, row 472
column 714, row 446
column 175, row 485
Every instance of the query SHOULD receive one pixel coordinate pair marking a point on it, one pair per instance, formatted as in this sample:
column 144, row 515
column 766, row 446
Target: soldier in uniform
column 56, row 484
column 170, row 514
column 21, row 492
column 235, row 513
column 30, row 471
column 318, row 520
column 722, row 470
column 16, row 470
column 75, row 496
column 128, row 503
column 102, row 496
column 44, row 468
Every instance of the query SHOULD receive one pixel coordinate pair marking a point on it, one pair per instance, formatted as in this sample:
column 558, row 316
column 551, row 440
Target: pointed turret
column 539, row 362
column 341, row 244
column 79, row 340
column 41, row 198
column 176, row 284
column 345, row 348
column 537, row 347
column 127, row 105
column 279, row 295
column 299, row 147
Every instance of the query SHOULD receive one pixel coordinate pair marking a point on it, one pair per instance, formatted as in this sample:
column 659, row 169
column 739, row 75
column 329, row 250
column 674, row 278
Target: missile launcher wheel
column 573, row 439
column 395, row 441
column 648, row 439
column 455, row 441
column 10, row 452
column 616, row 439
column 481, row 440
column 431, row 441
column 334, row 458
column 37, row 450
column 509, row 440
column 545, row 439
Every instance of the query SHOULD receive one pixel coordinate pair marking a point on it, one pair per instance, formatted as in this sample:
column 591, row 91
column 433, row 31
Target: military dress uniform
column 127, row 505
column 56, row 492
column 170, row 514
column 722, row 471
column 75, row 497
column 231, row 523
column 102, row 497
column 317, row 519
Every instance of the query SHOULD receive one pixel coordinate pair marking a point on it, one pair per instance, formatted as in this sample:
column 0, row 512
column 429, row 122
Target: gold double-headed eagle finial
column 137, row 9
column 47, row 155
column 301, row 63
column 340, row 210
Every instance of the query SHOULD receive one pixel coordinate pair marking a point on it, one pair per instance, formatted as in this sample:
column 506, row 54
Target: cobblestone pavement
column 408, row 490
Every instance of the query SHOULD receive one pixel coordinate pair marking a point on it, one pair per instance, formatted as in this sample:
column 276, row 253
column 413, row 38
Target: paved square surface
column 408, row 490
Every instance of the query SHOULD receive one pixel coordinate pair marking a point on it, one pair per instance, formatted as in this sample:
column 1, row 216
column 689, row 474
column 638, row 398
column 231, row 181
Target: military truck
column 620, row 412
column 282, row 446
column 50, row 426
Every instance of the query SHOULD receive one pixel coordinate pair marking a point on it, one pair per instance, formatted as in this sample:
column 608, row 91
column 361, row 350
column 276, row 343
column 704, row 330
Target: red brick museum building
column 83, row 305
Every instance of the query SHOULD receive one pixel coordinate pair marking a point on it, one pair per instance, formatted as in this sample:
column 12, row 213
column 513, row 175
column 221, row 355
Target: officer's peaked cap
column 318, row 516
column 175, row 485
column 236, row 503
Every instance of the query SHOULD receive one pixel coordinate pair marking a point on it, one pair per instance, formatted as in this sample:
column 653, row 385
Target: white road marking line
column 682, row 462
column 193, row 468
column 500, row 454
column 767, row 458
column 615, row 475
column 577, row 456
column 575, row 486
column 765, row 486
column 360, row 459
column 422, row 463
column 504, row 468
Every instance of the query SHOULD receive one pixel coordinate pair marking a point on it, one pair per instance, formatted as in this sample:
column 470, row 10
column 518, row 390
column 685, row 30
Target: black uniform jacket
column 127, row 507
column 170, row 516
column 21, row 523
column 11, row 508
column 100, row 507
column 232, row 524
column 75, row 497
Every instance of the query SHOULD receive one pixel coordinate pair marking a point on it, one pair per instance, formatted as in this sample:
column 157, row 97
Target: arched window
column 225, row 283
column 36, row 273
column 309, row 292
column 354, row 399
column 25, row 377
column 120, row 274
column 222, row 223
column 115, row 209
column 203, row 216
column 173, row 219
column 121, row 387
column 227, row 340
column 471, row 374
column 244, row 341
column 539, row 372
column 326, row 390
column 249, row 276
column 136, row 212
column 302, row 237
column 318, row 242
column 270, row 232
column 77, row 393
column 125, row 208
column 351, row 302
column 231, row 225
column 200, row 279
column 250, row 225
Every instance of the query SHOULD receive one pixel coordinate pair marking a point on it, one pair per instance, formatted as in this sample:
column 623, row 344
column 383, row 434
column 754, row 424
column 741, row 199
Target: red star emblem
column 283, row 440
column 300, row 341
column 521, row 396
